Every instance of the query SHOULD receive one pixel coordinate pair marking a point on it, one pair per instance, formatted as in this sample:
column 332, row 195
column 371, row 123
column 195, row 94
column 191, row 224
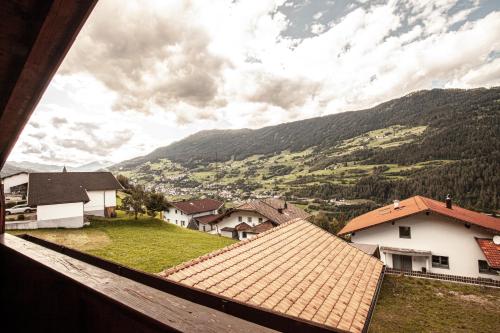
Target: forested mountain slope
column 460, row 124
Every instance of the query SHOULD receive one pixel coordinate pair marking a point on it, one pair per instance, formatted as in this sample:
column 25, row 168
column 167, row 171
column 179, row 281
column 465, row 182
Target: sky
column 143, row 74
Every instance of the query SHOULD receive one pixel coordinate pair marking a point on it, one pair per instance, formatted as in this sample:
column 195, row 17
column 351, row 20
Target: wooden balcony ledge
column 46, row 290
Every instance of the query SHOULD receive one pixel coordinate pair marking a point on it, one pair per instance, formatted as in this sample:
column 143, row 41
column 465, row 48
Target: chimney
column 280, row 210
column 448, row 201
column 286, row 205
column 396, row 204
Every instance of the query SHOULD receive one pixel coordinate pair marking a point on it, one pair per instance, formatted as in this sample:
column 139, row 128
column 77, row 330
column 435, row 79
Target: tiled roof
column 264, row 226
column 296, row 269
column 48, row 188
column 242, row 226
column 197, row 206
column 206, row 219
column 491, row 252
column 366, row 248
column 274, row 210
column 415, row 205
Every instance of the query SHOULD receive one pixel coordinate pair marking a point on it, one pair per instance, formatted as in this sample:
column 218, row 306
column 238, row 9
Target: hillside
column 428, row 142
column 459, row 124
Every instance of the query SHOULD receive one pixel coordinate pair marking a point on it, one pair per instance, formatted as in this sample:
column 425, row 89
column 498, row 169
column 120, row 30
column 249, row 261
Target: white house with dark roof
column 63, row 198
column 429, row 236
column 195, row 214
column 254, row 217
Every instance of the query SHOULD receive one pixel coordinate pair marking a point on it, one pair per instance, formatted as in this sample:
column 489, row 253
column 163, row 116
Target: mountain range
column 430, row 142
column 12, row 167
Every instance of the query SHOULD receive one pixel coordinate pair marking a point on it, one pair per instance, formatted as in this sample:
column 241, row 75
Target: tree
column 135, row 201
column 155, row 202
column 124, row 181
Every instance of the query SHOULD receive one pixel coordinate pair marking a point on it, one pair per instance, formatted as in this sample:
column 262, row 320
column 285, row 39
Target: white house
column 14, row 182
column 63, row 198
column 255, row 217
column 194, row 214
column 421, row 234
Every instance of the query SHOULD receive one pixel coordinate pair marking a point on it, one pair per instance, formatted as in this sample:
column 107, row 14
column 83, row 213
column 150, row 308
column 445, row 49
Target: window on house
column 244, row 234
column 176, row 211
column 211, row 227
column 485, row 268
column 440, row 262
column 249, row 219
column 240, row 218
column 204, row 228
column 404, row 232
column 175, row 221
column 260, row 219
column 183, row 223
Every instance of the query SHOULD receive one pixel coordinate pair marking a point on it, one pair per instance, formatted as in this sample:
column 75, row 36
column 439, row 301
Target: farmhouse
column 193, row 213
column 425, row 235
column 63, row 198
column 254, row 217
column 297, row 270
column 15, row 183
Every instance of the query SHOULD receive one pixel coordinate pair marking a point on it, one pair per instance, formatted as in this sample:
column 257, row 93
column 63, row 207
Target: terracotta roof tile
column 491, row 252
column 273, row 209
column 415, row 205
column 296, row 269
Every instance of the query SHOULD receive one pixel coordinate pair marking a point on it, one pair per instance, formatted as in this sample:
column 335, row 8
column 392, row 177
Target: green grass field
column 419, row 305
column 146, row 244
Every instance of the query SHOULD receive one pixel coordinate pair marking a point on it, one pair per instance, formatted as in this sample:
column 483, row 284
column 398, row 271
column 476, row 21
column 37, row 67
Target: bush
column 21, row 217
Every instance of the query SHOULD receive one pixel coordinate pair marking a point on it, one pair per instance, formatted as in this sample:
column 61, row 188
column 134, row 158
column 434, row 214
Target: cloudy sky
column 143, row 74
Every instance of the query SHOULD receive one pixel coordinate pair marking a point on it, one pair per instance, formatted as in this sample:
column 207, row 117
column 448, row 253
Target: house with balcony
column 429, row 236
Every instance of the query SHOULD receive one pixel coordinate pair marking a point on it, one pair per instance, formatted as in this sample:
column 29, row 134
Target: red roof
column 197, row 206
column 206, row 219
column 415, row 205
column 491, row 252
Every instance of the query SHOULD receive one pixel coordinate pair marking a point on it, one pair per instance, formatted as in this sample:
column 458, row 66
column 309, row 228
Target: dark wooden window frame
column 403, row 233
column 439, row 262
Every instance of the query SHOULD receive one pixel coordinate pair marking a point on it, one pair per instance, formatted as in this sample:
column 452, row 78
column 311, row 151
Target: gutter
column 374, row 302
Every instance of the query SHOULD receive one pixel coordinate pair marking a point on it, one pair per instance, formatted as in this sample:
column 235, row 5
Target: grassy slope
column 146, row 244
column 417, row 305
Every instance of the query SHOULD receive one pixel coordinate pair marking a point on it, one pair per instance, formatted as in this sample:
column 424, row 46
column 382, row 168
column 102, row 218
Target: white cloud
column 145, row 73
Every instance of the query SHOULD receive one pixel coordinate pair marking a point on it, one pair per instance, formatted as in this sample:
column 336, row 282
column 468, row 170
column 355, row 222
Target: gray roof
column 50, row 188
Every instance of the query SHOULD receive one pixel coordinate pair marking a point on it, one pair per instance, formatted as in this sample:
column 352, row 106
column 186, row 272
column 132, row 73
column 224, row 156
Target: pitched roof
column 295, row 269
column 262, row 227
column 48, row 188
column 273, row 209
column 206, row 219
column 242, row 227
column 197, row 206
column 491, row 251
column 415, row 205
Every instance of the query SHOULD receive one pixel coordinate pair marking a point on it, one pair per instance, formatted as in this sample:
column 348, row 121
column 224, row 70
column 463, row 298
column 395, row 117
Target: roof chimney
column 286, row 205
column 448, row 201
column 280, row 210
column 396, row 204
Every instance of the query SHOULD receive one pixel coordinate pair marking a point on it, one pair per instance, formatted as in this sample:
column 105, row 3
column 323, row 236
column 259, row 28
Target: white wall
column 110, row 198
column 68, row 215
column 174, row 214
column 96, row 203
column 14, row 181
column 438, row 234
column 233, row 220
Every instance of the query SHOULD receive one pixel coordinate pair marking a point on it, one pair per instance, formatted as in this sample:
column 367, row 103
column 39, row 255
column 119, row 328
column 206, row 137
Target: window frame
column 401, row 228
column 440, row 263
column 487, row 270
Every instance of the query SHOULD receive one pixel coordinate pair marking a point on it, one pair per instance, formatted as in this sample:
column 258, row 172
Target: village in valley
column 414, row 238
column 250, row 166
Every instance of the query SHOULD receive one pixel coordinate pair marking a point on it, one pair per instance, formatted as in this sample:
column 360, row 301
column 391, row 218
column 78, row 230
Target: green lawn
column 418, row 305
column 147, row 244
